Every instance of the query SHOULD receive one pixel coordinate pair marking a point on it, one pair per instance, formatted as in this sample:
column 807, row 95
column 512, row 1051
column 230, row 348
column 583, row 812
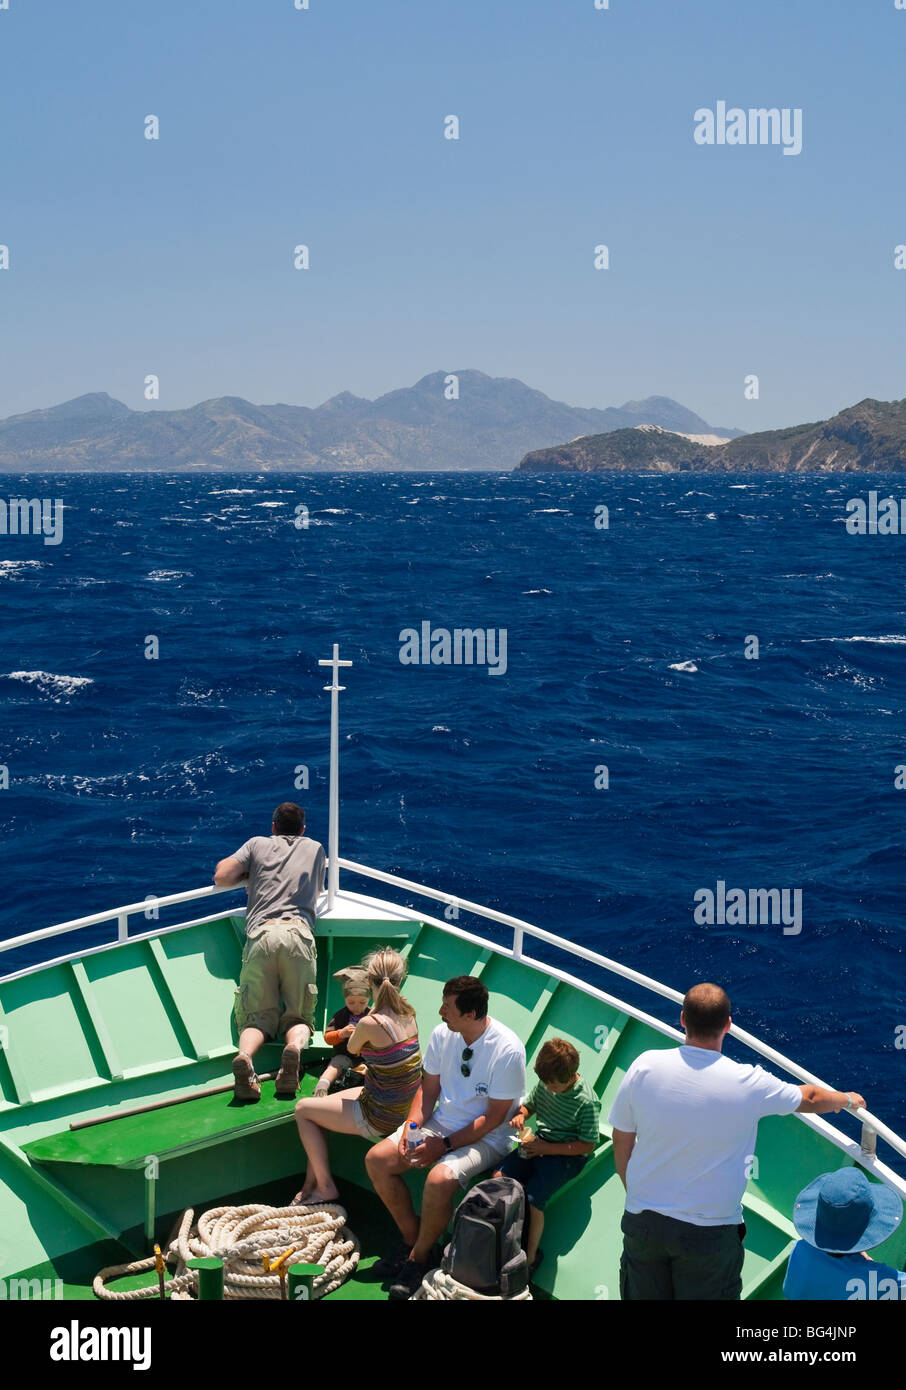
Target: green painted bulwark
column 152, row 1019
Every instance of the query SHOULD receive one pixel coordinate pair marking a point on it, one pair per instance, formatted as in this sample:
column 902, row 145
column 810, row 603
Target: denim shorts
column 542, row 1175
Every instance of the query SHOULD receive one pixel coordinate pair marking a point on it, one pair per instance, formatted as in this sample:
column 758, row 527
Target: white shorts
column 363, row 1126
column 465, row 1163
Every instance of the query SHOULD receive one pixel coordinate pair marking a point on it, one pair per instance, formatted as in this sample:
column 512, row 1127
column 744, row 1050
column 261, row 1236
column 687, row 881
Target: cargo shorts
column 277, row 981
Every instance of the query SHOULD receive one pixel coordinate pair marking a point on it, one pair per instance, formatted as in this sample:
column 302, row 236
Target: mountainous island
column 866, row 438
column 489, row 426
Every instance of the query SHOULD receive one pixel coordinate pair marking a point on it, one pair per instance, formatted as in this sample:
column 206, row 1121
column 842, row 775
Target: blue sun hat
column 844, row 1213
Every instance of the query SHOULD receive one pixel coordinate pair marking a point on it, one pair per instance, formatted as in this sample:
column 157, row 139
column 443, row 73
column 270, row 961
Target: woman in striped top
column 387, row 1041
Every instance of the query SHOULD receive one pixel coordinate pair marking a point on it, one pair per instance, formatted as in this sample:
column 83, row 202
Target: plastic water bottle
column 414, row 1137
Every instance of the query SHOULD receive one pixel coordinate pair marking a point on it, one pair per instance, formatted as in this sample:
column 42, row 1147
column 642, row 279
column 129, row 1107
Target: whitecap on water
column 11, row 569
column 537, row 591
column 196, row 695
column 49, row 684
column 166, row 576
column 683, row 666
column 891, row 640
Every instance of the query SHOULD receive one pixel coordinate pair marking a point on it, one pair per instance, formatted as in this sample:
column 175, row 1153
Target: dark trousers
column 668, row 1259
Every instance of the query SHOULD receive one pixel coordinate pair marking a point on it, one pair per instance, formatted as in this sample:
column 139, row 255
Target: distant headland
column 866, row 438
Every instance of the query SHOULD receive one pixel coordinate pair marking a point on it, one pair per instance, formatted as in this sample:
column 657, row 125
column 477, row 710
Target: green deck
column 372, row 1226
column 168, row 1133
column 150, row 1019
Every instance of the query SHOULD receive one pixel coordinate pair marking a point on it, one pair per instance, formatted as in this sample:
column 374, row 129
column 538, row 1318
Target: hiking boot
column 245, row 1082
column 287, row 1083
column 409, row 1280
column 388, row 1266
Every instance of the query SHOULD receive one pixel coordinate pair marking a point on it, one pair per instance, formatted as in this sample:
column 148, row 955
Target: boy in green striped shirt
column 567, row 1113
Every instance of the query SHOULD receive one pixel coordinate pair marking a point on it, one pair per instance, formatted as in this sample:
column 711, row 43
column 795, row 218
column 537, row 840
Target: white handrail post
column 122, row 925
column 333, row 823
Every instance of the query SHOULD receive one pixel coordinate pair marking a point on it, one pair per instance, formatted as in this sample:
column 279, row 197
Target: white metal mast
column 333, row 846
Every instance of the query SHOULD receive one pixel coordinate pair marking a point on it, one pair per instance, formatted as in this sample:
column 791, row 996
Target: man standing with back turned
column 285, row 873
column 685, row 1121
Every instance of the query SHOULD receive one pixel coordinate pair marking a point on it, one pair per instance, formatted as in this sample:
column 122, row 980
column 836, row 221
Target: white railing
column 120, row 915
column 520, row 929
column 871, row 1124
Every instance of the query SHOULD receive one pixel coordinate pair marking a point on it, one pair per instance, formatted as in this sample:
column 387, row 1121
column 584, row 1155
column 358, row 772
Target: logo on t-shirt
column 481, row 1088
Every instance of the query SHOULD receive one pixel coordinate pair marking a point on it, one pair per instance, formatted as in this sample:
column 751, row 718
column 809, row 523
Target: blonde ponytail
column 386, row 971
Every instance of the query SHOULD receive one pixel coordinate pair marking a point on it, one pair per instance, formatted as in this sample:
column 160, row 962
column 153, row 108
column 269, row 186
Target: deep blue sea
column 625, row 650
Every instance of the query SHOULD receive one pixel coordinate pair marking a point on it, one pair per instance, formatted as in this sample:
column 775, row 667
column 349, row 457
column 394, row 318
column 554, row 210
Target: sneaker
column 245, row 1082
column 409, row 1280
column 287, row 1083
column 388, row 1266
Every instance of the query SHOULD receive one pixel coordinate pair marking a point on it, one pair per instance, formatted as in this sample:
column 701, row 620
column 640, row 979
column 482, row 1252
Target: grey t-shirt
column 285, row 874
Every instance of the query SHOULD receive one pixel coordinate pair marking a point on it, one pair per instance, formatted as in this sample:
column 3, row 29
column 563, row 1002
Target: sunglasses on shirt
column 466, row 1059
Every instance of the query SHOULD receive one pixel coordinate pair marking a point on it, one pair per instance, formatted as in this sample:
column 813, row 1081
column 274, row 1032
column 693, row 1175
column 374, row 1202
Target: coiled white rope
column 439, row 1286
column 241, row 1237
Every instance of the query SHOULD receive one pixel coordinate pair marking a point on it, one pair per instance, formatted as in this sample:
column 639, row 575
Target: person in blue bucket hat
column 840, row 1217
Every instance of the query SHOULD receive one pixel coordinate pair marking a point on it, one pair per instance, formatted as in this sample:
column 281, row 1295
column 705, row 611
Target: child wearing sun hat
column 840, row 1216
column 341, row 1027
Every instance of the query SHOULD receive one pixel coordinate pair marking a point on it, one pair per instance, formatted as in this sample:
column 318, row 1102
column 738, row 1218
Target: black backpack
column 485, row 1252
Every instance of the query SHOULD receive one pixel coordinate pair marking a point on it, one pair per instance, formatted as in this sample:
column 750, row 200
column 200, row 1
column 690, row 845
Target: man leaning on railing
column 685, row 1122
column 277, row 991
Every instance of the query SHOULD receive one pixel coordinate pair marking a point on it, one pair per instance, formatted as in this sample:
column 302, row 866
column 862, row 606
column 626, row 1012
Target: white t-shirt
column 695, row 1115
column 497, row 1073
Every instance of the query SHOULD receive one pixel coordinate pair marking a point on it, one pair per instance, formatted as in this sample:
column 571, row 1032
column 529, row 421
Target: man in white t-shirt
column 472, row 1084
column 684, row 1122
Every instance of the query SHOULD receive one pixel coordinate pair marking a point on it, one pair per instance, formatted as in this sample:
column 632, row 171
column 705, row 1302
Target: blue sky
column 325, row 126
